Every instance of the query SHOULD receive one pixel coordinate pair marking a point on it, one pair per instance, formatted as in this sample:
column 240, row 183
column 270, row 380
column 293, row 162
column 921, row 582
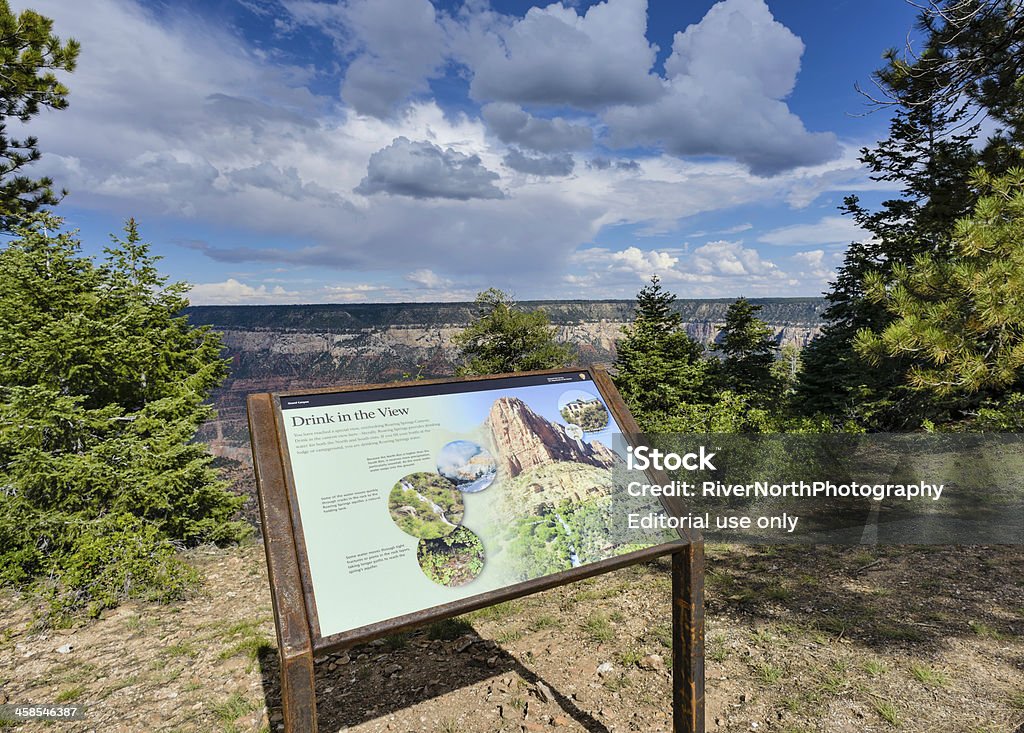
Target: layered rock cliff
column 316, row 345
column 283, row 347
column 523, row 439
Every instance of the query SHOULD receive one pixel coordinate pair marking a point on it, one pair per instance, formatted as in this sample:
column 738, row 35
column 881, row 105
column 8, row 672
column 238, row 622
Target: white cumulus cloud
column 838, row 230
column 727, row 78
column 392, row 46
column 539, row 165
column 512, row 124
column 644, row 263
column 423, row 170
column 731, row 259
column 231, row 291
column 556, row 56
column 426, row 278
column 171, row 115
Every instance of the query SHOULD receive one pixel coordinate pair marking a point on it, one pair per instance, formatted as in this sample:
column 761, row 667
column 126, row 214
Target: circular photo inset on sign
column 467, row 465
column 426, row 505
column 574, row 431
column 452, row 560
column 584, row 409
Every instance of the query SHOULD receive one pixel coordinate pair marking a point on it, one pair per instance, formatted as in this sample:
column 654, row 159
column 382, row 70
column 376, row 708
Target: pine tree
column 658, row 366
column 504, row 338
column 29, row 54
column 959, row 320
column 748, row 349
column 980, row 60
column 834, row 379
column 102, row 387
column 930, row 153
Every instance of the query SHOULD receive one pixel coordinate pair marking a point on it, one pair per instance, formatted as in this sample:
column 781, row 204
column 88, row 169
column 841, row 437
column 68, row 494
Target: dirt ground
column 804, row 639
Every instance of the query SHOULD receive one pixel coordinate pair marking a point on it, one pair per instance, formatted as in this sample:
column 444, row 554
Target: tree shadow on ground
column 376, row 680
column 916, row 599
column 876, row 596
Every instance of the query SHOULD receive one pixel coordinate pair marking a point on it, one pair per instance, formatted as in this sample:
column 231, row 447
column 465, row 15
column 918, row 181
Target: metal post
column 688, row 639
column 298, row 688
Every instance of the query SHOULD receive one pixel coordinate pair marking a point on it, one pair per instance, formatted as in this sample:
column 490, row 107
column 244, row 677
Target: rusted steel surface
column 687, row 589
column 298, row 693
column 688, row 639
column 296, row 532
column 425, row 382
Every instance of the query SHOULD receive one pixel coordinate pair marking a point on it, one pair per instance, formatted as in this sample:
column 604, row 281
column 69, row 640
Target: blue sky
column 294, row 151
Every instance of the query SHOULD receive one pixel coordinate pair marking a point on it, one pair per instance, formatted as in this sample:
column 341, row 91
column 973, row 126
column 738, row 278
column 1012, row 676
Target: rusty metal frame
column 291, row 588
column 298, row 690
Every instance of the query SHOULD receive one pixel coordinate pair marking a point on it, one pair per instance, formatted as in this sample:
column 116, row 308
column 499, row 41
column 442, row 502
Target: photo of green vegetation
column 569, row 523
column 452, row 560
column 559, row 538
column 584, row 409
column 426, row 505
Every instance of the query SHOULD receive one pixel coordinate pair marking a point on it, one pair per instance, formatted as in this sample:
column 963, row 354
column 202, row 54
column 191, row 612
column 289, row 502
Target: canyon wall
column 523, row 439
column 298, row 346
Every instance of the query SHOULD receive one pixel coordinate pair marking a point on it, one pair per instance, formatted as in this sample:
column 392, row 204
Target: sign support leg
column 298, row 692
column 294, row 640
column 688, row 639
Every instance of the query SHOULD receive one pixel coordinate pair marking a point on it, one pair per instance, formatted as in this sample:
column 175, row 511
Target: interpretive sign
column 388, row 506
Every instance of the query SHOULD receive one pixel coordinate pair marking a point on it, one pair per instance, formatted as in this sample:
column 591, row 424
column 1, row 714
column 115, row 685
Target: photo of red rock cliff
column 556, row 491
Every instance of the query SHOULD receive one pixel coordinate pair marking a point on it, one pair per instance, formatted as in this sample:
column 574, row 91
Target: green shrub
column 102, row 387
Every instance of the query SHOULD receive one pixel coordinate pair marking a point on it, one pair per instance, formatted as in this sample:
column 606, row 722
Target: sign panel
column 417, row 497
